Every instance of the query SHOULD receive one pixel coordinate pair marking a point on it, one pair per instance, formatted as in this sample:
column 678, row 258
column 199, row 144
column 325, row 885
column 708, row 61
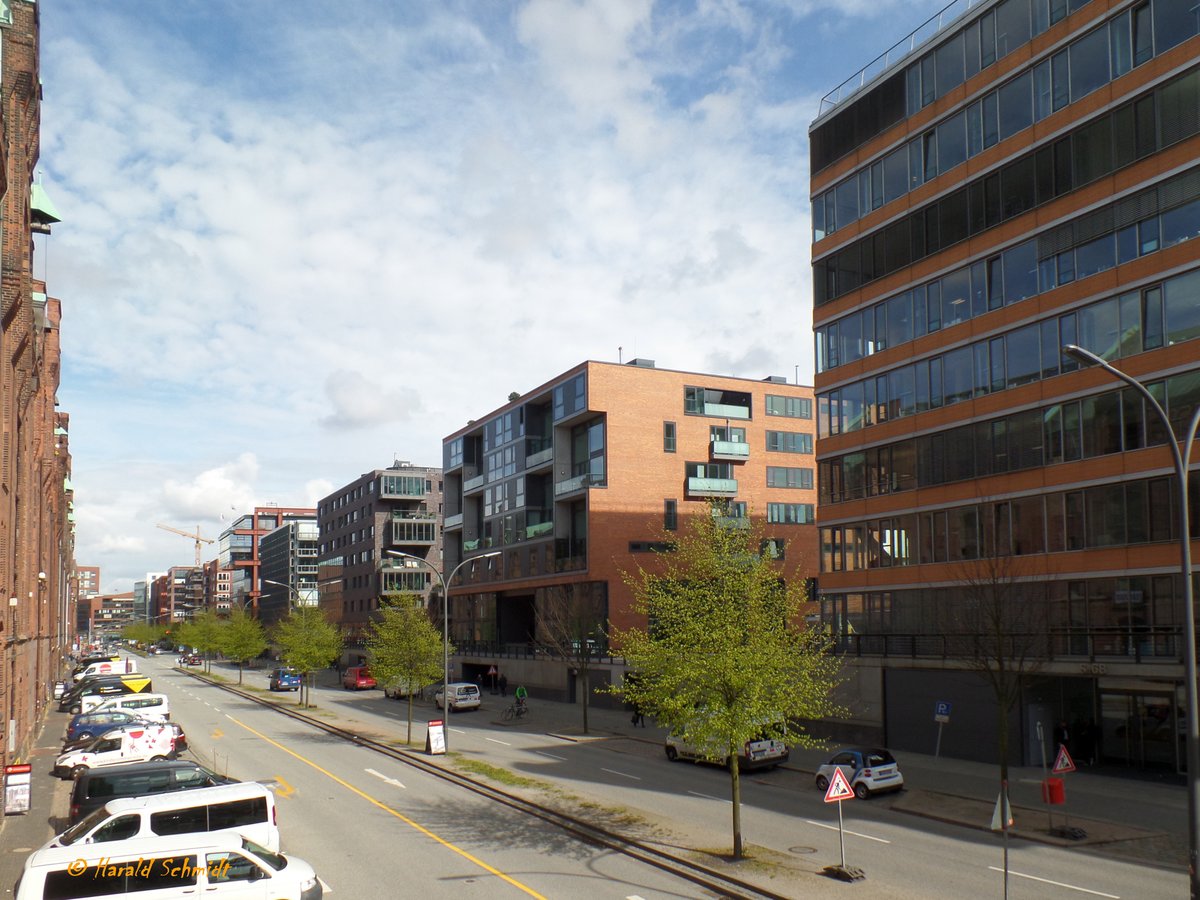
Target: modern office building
column 289, row 568
column 578, row 481
column 238, row 546
column 1014, row 177
column 386, row 511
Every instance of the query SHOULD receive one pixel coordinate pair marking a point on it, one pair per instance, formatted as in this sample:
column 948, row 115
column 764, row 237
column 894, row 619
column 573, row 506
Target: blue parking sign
column 941, row 711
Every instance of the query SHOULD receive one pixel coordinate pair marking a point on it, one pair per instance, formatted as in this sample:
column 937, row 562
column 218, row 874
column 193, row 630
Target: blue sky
column 301, row 240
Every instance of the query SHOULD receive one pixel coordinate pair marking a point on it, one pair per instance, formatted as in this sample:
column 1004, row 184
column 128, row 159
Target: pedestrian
column 639, row 717
column 1062, row 735
column 503, row 685
column 479, row 682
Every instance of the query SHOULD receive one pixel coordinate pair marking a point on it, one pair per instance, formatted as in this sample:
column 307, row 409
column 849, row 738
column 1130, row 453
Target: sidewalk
column 21, row 834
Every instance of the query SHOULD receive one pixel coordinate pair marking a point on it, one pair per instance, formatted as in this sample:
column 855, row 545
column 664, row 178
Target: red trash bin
column 1054, row 792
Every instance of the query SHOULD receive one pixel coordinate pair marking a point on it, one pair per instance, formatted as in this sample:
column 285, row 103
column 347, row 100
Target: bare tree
column 571, row 625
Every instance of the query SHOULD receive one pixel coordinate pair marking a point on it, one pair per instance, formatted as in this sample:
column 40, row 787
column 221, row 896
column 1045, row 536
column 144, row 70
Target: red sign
column 1063, row 763
column 18, row 769
column 839, row 788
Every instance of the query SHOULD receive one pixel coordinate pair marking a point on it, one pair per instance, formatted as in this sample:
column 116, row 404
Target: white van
column 223, row 865
column 762, row 752
column 151, row 707
column 116, row 746
column 109, row 667
column 247, row 808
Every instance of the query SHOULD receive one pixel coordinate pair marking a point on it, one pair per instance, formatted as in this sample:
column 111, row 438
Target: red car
column 358, row 678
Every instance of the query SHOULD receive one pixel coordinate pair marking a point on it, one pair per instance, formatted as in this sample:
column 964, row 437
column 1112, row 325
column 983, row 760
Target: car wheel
column 822, row 783
column 75, row 710
column 672, row 754
column 861, row 791
column 158, row 759
column 82, row 736
column 78, row 770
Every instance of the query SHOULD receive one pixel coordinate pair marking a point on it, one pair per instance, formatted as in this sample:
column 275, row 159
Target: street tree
column 571, row 625
column 725, row 660
column 143, row 633
column 242, row 638
column 307, row 642
column 405, row 648
column 204, row 633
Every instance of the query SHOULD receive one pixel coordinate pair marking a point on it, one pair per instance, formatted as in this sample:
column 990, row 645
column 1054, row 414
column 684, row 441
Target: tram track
column 718, row 883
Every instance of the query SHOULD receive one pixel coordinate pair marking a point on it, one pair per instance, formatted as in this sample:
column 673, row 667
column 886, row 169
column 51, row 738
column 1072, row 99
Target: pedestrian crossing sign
column 839, row 788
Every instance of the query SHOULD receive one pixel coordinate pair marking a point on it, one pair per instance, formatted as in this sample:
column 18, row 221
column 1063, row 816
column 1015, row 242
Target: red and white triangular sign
column 1063, row 763
column 839, row 788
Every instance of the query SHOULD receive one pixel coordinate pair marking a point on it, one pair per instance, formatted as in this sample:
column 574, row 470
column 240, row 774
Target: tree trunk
column 241, row 668
column 586, row 690
column 735, row 785
column 408, row 740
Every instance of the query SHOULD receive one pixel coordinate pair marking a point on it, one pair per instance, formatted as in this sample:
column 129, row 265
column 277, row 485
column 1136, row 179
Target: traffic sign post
column 941, row 715
column 1062, row 765
column 839, row 789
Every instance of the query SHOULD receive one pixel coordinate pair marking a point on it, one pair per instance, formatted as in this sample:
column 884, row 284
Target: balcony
column 541, row 529
column 711, row 487
column 578, row 483
column 539, row 453
column 454, row 521
column 738, row 451
column 474, row 485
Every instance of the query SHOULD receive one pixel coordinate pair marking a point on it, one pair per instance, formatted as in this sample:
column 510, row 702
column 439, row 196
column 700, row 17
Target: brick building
column 581, row 479
column 36, row 531
column 1022, row 178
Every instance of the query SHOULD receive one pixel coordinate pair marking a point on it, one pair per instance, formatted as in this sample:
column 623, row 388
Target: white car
column 463, row 695
column 869, row 770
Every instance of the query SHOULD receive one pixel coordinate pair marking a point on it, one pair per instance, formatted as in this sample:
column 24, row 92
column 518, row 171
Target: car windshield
column 83, row 826
column 276, row 861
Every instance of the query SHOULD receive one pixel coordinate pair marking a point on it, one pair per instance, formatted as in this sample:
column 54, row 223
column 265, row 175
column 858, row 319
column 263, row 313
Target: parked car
column 358, row 678
column 284, row 680
column 176, row 730
column 869, row 770
column 191, row 659
column 463, row 695
column 761, row 753
column 129, row 743
column 87, row 725
column 401, row 688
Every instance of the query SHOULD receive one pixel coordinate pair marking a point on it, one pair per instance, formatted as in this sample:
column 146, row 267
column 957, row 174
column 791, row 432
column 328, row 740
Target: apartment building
column 289, row 568
column 578, row 481
column 1016, row 176
column 37, row 537
column 397, row 510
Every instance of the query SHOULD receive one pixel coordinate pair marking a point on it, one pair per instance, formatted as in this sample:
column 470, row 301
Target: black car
column 95, row 787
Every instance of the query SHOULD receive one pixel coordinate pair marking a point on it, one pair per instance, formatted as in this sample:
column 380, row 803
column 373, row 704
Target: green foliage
column 143, row 633
column 204, row 632
column 307, row 640
column 406, row 649
column 724, row 660
column 242, row 638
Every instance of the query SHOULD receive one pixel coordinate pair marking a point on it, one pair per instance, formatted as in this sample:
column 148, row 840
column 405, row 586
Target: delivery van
column 109, row 667
column 217, row 866
column 152, row 707
column 119, row 745
column 247, row 808
column 72, row 700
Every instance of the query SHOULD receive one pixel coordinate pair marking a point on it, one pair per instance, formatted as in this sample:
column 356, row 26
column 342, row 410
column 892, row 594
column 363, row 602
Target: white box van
column 219, row 866
column 247, row 808
column 152, row 707
column 109, row 667
column 119, row 745
column 761, row 752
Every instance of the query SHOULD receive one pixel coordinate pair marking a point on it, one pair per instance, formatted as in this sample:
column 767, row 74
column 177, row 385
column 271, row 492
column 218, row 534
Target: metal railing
column 921, row 35
column 1140, row 644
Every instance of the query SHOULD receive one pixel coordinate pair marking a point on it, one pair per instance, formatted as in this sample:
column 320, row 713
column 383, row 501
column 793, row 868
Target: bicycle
column 516, row 710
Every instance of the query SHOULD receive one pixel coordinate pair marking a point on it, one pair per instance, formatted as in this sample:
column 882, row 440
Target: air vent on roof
column 776, row 379
column 643, row 363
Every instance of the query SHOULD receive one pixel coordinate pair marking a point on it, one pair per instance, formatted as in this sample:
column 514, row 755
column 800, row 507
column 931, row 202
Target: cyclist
column 521, row 695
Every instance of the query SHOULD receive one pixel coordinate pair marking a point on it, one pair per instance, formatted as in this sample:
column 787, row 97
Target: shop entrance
column 1142, row 730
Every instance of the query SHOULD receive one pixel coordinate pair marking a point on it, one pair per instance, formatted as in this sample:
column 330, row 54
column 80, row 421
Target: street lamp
column 292, row 592
column 445, row 582
column 1181, row 460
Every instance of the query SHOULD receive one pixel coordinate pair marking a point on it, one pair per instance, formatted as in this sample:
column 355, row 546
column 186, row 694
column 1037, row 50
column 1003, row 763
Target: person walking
column 639, row 717
column 503, row 682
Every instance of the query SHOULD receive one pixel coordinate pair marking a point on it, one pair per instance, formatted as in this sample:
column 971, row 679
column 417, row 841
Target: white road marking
column 494, row 741
column 847, row 831
column 1073, row 887
column 622, row 774
column 384, row 777
column 456, row 730
column 707, row 797
column 551, row 755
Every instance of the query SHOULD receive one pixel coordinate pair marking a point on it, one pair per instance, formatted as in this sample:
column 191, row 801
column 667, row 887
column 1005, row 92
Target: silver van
column 247, row 808
column 762, row 752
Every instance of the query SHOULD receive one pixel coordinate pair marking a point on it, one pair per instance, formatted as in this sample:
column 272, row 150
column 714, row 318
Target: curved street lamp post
column 1182, row 461
column 444, row 582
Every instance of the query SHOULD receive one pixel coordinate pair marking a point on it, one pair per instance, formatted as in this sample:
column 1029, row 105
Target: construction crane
column 197, row 537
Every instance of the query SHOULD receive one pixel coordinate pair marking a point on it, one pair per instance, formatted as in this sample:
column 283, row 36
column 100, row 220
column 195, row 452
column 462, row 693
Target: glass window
column 668, row 437
column 1089, row 63
column 1092, row 151
column 1098, row 328
column 1174, row 22
column 1043, row 97
column 1127, row 245
column 899, row 320
column 1152, row 319
column 845, row 203
column 991, row 119
column 1015, row 105
column 974, row 129
column 952, row 142
column 1012, row 26
column 1180, row 224
column 956, row 297
column 1095, row 256
column 670, row 515
column 1143, row 41
column 1120, row 46
column 1101, row 424
column 1050, row 348
column 895, row 175
column 957, row 375
column 949, row 65
column 1023, row 355
column 1180, row 308
column 987, row 40
column 1020, row 272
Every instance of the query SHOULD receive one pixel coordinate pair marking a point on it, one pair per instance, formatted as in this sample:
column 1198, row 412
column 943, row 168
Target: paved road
column 687, row 805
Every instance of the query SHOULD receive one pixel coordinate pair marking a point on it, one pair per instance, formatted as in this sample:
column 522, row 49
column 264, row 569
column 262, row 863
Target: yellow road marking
column 403, row 818
column 281, row 788
column 217, row 733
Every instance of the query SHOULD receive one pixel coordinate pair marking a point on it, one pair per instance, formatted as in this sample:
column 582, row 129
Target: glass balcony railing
column 730, row 449
column 472, row 484
column 454, row 521
column 712, row 487
column 540, row 458
column 539, row 530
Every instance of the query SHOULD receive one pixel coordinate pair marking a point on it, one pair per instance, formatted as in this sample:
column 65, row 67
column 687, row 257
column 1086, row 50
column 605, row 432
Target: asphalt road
column 352, row 842
column 372, row 827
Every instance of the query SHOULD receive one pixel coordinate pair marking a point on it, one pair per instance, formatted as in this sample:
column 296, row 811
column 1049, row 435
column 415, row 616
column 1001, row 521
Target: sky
column 301, row 241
